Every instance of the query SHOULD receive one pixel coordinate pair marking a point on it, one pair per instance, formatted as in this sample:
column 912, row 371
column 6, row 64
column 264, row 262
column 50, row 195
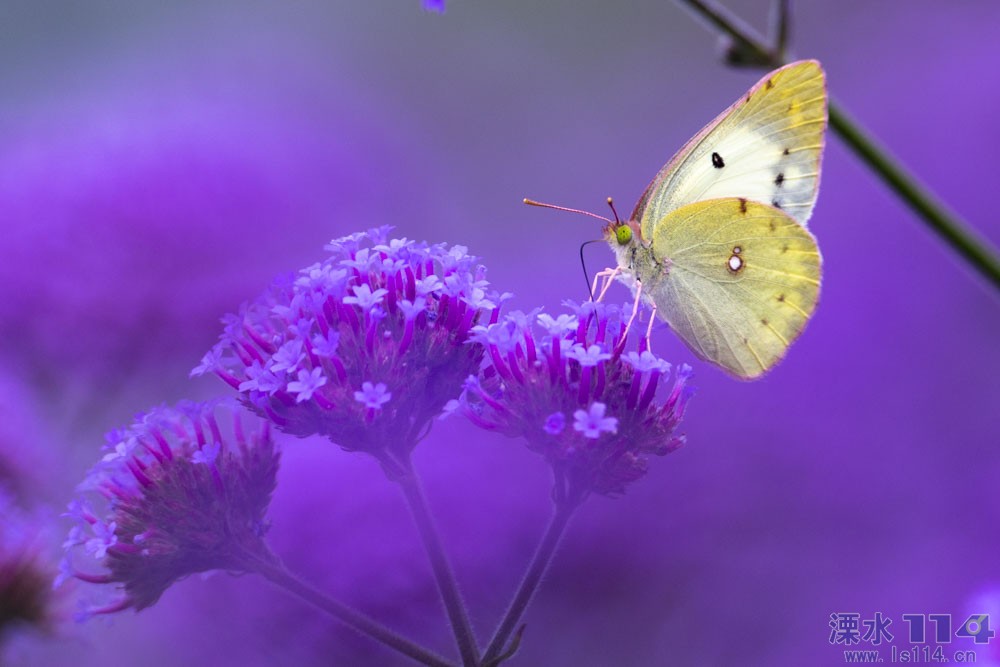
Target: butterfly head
column 618, row 233
column 624, row 239
column 621, row 234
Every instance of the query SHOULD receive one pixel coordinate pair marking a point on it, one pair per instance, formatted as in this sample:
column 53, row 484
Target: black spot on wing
column 743, row 205
column 717, row 161
column 785, row 152
column 779, row 179
column 769, row 84
column 781, row 297
column 775, row 203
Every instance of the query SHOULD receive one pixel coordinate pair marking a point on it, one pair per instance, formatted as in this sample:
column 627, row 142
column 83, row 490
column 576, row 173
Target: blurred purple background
column 159, row 164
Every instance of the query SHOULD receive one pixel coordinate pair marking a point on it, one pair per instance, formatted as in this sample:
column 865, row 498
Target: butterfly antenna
column 532, row 202
column 586, row 277
column 611, row 203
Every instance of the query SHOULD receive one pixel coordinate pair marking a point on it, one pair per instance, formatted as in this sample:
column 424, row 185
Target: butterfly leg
column 608, row 276
column 635, row 306
column 649, row 329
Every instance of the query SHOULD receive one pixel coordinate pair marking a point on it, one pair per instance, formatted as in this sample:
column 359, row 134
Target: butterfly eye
column 624, row 234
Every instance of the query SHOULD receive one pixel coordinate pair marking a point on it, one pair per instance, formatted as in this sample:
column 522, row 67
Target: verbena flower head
column 26, row 596
column 365, row 347
column 569, row 388
column 182, row 490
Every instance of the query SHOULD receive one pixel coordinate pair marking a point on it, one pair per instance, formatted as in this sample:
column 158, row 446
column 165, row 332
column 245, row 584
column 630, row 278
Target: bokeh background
column 160, row 162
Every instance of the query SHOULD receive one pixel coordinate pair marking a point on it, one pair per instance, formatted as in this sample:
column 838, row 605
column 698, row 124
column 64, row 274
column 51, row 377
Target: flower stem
column 532, row 577
column 276, row 573
column 741, row 34
column 946, row 224
column 447, row 585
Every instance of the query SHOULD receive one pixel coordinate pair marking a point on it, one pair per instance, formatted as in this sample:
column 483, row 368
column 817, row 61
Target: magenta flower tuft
column 576, row 366
column 182, row 490
column 365, row 348
column 26, row 597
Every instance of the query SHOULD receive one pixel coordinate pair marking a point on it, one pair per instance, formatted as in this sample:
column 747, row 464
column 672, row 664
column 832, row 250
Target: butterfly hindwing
column 739, row 281
column 766, row 147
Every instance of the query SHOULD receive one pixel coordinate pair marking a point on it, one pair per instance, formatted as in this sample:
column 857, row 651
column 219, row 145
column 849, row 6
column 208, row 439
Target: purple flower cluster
column 368, row 348
column 576, row 396
column 25, row 580
column 365, row 347
column 182, row 490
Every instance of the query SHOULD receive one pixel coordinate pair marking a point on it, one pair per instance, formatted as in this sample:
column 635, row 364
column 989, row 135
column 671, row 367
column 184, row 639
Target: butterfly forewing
column 766, row 147
column 740, row 281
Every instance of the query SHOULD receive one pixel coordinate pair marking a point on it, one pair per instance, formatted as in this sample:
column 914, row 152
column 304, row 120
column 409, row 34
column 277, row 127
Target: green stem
column 447, row 585
column 944, row 223
column 532, row 578
column 730, row 25
column 947, row 225
column 276, row 573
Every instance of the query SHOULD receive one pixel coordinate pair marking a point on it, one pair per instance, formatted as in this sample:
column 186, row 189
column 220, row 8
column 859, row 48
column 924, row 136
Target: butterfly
column 717, row 244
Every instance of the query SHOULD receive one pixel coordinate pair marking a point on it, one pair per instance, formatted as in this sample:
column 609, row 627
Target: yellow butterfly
column 718, row 241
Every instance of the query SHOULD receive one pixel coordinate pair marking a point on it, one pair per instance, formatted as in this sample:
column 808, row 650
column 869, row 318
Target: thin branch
column 276, row 573
column 746, row 42
column 783, row 26
column 529, row 584
column 447, row 585
column 749, row 48
column 946, row 224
